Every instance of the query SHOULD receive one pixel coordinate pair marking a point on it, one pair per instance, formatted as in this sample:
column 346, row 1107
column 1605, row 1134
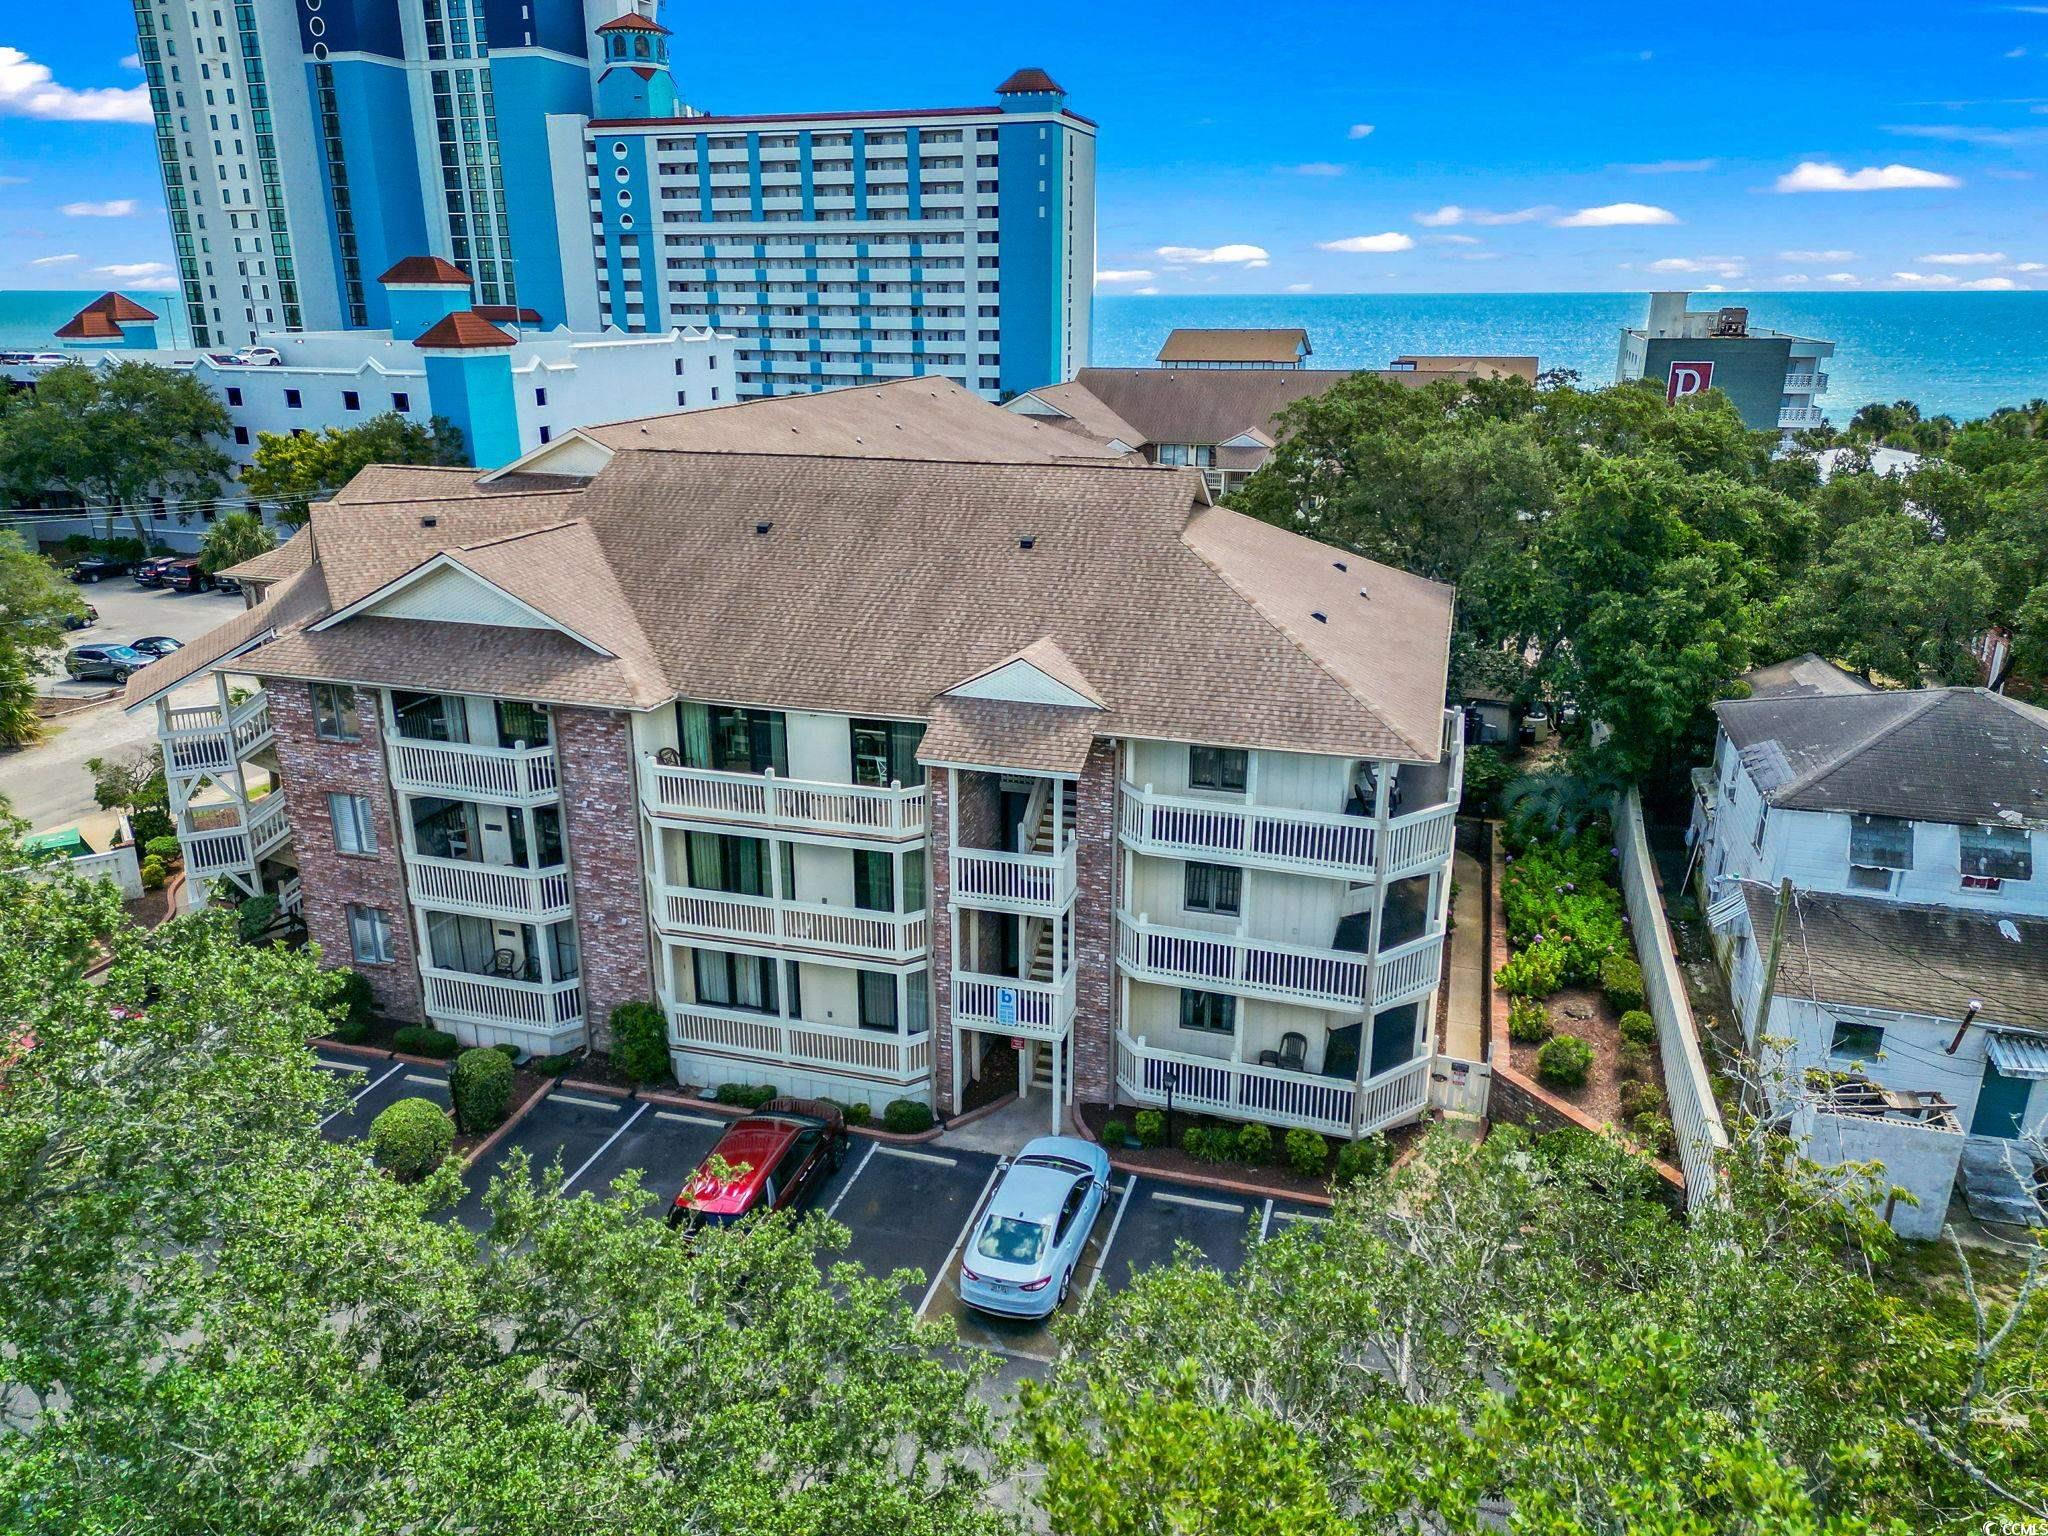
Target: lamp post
column 1171, row 1078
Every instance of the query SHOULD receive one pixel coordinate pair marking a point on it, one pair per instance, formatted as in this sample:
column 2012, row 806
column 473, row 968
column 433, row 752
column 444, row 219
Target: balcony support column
column 1381, row 807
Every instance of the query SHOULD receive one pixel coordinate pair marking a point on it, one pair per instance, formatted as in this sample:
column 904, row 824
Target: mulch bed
column 150, row 908
column 998, row 1080
column 1584, row 1012
column 1168, row 1161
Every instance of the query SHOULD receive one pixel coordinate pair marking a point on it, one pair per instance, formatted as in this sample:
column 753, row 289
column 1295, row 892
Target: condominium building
column 541, row 146
column 1774, row 378
column 886, row 738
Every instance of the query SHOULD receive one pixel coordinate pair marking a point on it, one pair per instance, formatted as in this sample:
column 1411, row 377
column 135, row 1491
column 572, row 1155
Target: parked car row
column 180, row 573
column 116, row 662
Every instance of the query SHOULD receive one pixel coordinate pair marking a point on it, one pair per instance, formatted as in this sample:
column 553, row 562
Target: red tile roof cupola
column 1030, row 82
column 631, row 22
column 427, row 271
column 463, row 331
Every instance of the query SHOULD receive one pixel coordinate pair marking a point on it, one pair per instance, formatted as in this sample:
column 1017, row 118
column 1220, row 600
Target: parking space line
column 355, row 1099
column 1109, row 1242
column 669, row 1114
column 919, row 1157
column 422, row 1077
column 1300, row 1216
column 611, row 1106
column 344, row 1066
column 570, row 1182
column 967, row 1227
column 1200, row 1205
column 833, row 1209
column 1266, row 1219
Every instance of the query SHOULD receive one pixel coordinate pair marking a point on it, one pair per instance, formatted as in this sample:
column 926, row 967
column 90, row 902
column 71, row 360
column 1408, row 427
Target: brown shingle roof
column 294, row 554
column 1279, row 347
column 1202, row 405
column 1085, row 413
column 1029, row 80
column 118, row 307
column 426, row 269
column 465, row 330
column 535, row 664
column 997, row 733
column 1803, row 675
column 298, row 599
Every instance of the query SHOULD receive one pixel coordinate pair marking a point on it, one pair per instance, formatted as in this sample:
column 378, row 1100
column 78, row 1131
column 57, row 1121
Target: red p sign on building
column 1688, row 379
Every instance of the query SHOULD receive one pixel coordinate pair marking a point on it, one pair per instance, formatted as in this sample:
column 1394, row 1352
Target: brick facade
column 601, row 828
column 1094, row 1038
column 939, row 797
column 331, row 881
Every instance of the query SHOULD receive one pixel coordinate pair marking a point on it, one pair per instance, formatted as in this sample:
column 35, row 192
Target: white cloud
column 1315, row 168
column 1795, row 278
column 1147, row 292
column 2015, row 53
column 1451, row 214
column 1214, row 255
column 1669, row 167
column 1715, row 266
column 1454, row 240
column 1360, row 131
column 131, row 61
column 1924, row 279
column 54, row 261
column 1991, row 284
column 1369, row 245
column 1301, row 287
column 2030, row 266
column 1817, row 255
column 1611, row 214
column 1822, row 176
column 13, row 181
column 1124, row 275
column 116, row 208
column 1965, row 259
column 1841, row 277
column 28, row 89
column 130, row 270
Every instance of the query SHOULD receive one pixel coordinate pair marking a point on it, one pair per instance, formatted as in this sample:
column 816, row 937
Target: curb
column 734, row 1111
column 1198, row 1180
column 973, row 1116
column 505, row 1127
column 381, row 1053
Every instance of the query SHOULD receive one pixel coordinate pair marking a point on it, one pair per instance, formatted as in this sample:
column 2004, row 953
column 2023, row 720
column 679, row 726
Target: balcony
column 770, row 1040
column 235, row 845
column 1032, row 1010
column 488, row 890
column 1805, row 383
column 1801, row 416
column 853, row 932
column 1239, row 1090
column 197, row 740
column 1290, row 841
column 539, row 1016
column 1036, row 884
column 1281, row 973
column 457, row 769
column 762, row 800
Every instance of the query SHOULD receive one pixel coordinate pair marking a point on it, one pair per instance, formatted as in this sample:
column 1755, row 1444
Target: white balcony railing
column 1034, row 1010
column 802, row 805
column 195, row 740
column 1264, row 968
column 488, row 889
column 464, row 771
column 1805, row 383
column 1801, row 416
column 269, row 824
column 773, row 1041
column 1420, row 839
column 214, row 851
column 544, row 1007
column 1240, row 1090
column 238, row 845
column 1040, row 883
column 1306, row 842
column 894, row 936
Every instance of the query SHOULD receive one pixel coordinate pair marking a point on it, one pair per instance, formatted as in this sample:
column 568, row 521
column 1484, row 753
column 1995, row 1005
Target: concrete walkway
column 1467, row 965
column 1006, row 1131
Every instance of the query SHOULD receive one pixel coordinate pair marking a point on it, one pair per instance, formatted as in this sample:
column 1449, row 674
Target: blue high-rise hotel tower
column 542, row 147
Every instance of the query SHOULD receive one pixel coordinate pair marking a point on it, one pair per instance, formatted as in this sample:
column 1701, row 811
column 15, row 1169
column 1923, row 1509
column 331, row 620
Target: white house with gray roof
column 1912, row 829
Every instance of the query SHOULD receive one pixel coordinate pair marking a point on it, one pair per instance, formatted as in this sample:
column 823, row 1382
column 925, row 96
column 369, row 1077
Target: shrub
column 1654, row 1132
column 425, row 1040
column 1622, row 980
column 859, row 1113
column 1639, row 1098
column 906, row 1117
column 480, row 1084
column 1561, row 891
column 411, row 1138
column 1528, row 1021
column 254, row 917
column 1114, row 1132
column 1638, row 1026
column 1150, row 1125
column 1358, row 1161
column 1536, row 971
column 1307, row 1153
column 550, row 1066
column 745, row 1095
column 1199, row 1142
column 1634, row 1060
column 1254, row 1143
column 1564, row 1061
column 640, row 1042
column 511, row 1051
column 165, row 848
column 356, row 1003
column 152, row 872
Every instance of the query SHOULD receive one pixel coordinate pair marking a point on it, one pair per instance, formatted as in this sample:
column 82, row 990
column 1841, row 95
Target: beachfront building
column 1908, row 1017
column 1188, row 347
column 1065, row 774
column 1773, row 378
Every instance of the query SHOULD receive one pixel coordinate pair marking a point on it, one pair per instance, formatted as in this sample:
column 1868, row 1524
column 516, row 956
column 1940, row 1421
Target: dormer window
column 1880, row 847
column 1990, row 856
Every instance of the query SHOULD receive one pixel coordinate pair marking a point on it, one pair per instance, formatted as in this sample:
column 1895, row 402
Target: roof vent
column 762, row 528
column 1340, row 565
column 1320, row 617
column 1365, row 594
column 1027, row 541
column 430, row 522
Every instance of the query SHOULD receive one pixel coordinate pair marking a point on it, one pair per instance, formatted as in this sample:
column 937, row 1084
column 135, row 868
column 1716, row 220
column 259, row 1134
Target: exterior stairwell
column 1038, row 931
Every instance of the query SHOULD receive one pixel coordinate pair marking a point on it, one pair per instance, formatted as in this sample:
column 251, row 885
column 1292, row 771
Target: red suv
column 780, row 1157
column 187, row 576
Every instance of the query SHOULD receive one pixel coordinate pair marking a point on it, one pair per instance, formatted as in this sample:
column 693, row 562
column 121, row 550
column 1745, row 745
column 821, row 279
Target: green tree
column 234, row 538
column 134, row 782
column 115, row 437
column 294, row 470
column 34, row 602
column 1891, row 603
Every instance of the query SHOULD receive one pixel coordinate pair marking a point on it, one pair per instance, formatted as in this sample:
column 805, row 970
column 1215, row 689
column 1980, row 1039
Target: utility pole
column 1770, row 986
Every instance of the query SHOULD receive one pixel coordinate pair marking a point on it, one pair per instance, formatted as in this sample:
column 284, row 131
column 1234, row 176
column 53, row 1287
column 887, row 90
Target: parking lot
column 906, row 1207
column 128, row 612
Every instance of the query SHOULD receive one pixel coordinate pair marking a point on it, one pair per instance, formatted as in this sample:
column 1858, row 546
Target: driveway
column 49, row 783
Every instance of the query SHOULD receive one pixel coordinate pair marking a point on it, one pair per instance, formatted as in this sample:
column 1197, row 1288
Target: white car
column 1020, row 1262
column 258, row 357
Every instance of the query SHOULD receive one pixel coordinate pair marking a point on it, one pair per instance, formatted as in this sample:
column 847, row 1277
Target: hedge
column 411, row 1139
column 1638, row 1026
column 425, row 1040
column 745, row 1095
column 640, row 1042
column 480, row 1086
column 1562, row 892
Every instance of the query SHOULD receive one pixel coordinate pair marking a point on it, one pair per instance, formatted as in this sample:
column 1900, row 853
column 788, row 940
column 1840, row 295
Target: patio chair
column 504, row 963
column 1292, row 1055
column 669, row 757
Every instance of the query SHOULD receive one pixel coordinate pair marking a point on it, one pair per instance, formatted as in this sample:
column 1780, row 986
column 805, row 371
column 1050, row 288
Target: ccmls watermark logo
column 1688, row 379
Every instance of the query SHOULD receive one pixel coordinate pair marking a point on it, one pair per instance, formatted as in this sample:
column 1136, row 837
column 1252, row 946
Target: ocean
column 1960, row 353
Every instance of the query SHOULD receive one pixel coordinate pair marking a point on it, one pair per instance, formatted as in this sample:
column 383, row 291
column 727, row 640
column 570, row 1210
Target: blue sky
column 1314, row 147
